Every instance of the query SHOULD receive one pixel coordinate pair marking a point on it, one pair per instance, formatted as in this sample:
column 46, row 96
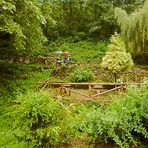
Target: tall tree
column 50, row 26
column 134, row 29
column 10, row 31
column 84, row 18
column 21, row 26
column 102, row 20
column 128, row 5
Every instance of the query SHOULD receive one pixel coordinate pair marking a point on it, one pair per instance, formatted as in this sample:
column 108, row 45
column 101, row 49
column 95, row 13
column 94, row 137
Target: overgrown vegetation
column 44, row 121
column 30, row 34
column 19, row 78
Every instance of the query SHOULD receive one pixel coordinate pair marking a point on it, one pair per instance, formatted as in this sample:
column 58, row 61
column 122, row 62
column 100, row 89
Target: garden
column 98, row 98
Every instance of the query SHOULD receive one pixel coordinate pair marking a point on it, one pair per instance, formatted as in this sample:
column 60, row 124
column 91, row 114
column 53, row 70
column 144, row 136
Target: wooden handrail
column 63, row 83
column 107, row 91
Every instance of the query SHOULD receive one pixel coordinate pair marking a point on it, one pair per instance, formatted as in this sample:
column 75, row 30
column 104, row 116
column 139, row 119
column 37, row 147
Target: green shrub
column 39, row 120
column 63, row 70
column 124, row 120
column 91, row 127
column 81, row 51
column 81, row 75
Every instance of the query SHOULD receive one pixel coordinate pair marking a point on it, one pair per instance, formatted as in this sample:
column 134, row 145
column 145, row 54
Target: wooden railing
column 104, row 87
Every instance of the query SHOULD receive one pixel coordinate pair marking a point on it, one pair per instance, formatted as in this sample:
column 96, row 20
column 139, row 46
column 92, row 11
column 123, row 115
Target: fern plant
column 39, row 120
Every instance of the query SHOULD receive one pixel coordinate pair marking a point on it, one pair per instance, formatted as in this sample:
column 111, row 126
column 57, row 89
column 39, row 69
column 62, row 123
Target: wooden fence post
column 89, row 90
column 37, row 88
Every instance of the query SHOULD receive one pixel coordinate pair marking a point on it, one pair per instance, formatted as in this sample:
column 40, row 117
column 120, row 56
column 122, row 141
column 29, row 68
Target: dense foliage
column 44, row 121
column 87, row 51
column 26, row 25
column 134, row 29
column 20, row 31
column 31, row 28
column 125, row 118
column 123, row 121
column 85, row 18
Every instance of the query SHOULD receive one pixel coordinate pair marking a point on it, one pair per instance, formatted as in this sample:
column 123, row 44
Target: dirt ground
column 80, row 144
column 77, row 98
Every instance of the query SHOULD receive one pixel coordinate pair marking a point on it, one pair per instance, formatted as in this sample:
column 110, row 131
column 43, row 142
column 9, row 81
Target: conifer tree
column 116, row 60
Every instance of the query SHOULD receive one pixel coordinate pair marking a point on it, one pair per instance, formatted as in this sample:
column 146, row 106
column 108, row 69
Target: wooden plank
column 106, row 91
column 37, row 88
column 98, row 86
column 62, row 90
column 69, row 92
column 63, row 83
column 89, row 87
column 77, row 92
column 43, row 87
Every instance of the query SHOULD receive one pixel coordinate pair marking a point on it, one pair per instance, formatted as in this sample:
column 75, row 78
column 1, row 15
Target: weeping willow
column 134, row 29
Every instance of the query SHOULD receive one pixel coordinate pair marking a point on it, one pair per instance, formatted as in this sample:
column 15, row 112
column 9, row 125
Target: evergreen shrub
column 117, row 60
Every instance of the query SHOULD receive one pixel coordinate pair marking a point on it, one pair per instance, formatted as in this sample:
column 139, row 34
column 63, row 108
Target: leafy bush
column 117, row 62
column 63, row 70
column 81, row 75
column 124, row 121
column 124, row 118
column 91, row 127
